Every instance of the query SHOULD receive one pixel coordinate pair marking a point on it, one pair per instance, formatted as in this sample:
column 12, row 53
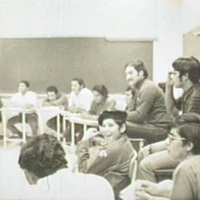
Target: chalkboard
column 56, row 61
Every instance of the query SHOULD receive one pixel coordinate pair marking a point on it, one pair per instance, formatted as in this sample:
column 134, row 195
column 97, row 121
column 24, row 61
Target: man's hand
column 149, row 187
column 140, row 195
column 91, row 132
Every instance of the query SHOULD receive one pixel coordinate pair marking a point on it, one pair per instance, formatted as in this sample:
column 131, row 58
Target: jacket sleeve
column 145, row 103
column 99, row 162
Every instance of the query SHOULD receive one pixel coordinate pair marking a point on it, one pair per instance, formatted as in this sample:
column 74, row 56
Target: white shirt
column 21, row 100
column 64, row 185
column 82, row 100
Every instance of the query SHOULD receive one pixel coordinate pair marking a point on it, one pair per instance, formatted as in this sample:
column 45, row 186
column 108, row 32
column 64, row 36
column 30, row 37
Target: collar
column 140, row 83
column 188, row 92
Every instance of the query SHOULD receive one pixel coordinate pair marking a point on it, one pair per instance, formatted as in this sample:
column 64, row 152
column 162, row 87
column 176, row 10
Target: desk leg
column 23, row 127
column 84, row 129
column 64, row 124
column 4, row 129
column 41, row 130
column 141, row 144
column 72, row 133
column 58, row 127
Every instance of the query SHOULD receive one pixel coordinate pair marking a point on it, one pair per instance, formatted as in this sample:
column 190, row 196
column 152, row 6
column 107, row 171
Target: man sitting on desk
column 148, row 119
column 54, row 98
column 27, row 100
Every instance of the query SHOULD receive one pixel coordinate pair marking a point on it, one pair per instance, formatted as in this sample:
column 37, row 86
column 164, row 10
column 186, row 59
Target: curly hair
column 43, row 155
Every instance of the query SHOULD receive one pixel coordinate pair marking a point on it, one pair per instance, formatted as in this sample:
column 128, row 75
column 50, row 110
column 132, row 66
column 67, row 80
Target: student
column 183, row 145
column 100, row 103
column 186, row 75
column 43, row 161
column 27, row 100
column 149, row 119
column 108, row 152
column 80, row 98
column 55, row 98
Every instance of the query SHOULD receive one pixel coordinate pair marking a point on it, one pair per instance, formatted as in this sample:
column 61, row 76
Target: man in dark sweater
column 148, row 119
column 186, row 75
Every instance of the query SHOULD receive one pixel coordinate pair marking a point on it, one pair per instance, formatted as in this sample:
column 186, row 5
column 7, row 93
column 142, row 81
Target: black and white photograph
column 99, row 100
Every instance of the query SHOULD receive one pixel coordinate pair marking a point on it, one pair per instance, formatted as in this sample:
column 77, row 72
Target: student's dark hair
column 80, row 81
column 101, row 89
column 52, row 89
column 188, row 127
column 188, row 65
column 139, row 66
column 42, row 155
column 26, row 83
column 118, row 116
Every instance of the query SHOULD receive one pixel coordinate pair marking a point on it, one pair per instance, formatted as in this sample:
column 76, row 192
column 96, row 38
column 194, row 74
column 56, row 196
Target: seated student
column 43, row 161
column 100, row 103
column 186, row 75
column 54, row 98
column 27, row 100
column 183, row 145
column 80, row 98
column 149, row 119
column 108, row 152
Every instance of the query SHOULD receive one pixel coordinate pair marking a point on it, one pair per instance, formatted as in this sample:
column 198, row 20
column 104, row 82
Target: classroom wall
column 191, row 43
column 166, row 21
column 57, row 61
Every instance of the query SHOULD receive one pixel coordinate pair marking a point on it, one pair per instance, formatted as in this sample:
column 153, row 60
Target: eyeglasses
column 172, row 138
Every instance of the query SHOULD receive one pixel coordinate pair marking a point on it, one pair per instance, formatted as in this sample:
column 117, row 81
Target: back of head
column 139, row 66
column 52, row 89
column 188, row 65
column 42, row 155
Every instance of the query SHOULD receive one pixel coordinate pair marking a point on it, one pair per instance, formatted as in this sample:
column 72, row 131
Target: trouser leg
column 32, row 120
column 52, row 123
column 148, row 132
column 159, row 160
column 11, row 124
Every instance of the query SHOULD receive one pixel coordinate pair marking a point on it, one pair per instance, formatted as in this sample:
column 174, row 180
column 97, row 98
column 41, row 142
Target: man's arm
column 99, row 162
column 145, row 102
column 184, row 184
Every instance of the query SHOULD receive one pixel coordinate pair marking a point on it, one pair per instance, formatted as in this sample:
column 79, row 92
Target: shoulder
column 196, row 90
column 188, row 167
column 61, row 96
column 86, row 91
column 31, row 93
column 149, row 85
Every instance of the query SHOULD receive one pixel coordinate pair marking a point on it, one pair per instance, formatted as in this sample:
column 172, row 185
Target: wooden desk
column 52, row 111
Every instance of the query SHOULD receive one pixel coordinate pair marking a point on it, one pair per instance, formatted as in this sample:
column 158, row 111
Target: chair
column 162, row 174
column 138, row 143
column 133, row 167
